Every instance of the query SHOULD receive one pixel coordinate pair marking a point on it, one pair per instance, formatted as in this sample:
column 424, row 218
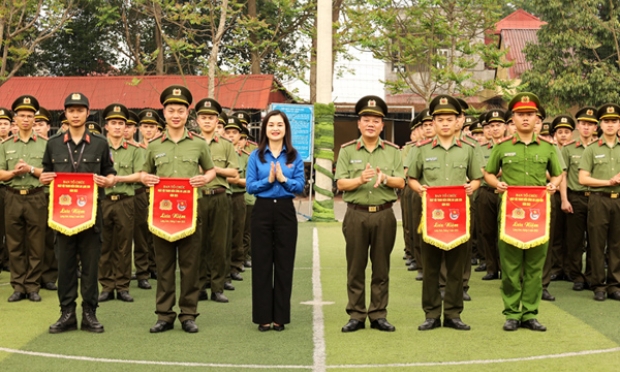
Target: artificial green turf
column 227, row 336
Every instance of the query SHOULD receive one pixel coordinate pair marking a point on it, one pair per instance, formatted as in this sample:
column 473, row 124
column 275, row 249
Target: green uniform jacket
column 242, row 161
column 128, row 159
column 524, row 165
column 572, row 153
column 352, row 161
column 14, row 149
column 183, row 159
column 602, row 162
column 223, row 155
column 433, row 165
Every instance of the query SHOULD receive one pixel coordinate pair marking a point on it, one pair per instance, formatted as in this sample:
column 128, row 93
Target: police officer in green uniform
column 237, row 187
column 249, row 204
column 368, row 171
column 177, row 153
column 144, row 254
column 487, row 200
column 406, row 201
column 462, row 167
column 599, row 169
column 118, row 208
column 524, row 160
column 20, row 168
column 575, row 197
column 6, row 117
column 80, row 151
column 214, row 205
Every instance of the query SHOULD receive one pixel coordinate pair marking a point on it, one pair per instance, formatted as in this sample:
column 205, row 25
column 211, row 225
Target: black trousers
column 274, row 240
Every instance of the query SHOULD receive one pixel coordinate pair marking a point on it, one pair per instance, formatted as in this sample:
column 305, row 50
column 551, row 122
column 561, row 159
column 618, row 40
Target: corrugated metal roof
column 138, row 92
column 515, row 41
column 519, row 19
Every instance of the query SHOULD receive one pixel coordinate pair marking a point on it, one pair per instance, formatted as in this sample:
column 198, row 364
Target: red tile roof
column 515, row 41
column 519, row 19
column 138, row 92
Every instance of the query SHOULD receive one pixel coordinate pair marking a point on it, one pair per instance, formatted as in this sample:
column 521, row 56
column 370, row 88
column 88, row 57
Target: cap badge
column 525, row 99
column 468, row 120
column 117, row 109
column 563, row 120
column 495, row 114
column 149, row 114
column 590, row 112
column 1, row 112
column 207, row 104
column 91, row 126
column 27, row 100
column 240, row 116
column 76, row 96
column 443, row 101
column 176, row 92
column 610, row 110
column 231, row 121
column 372, row 103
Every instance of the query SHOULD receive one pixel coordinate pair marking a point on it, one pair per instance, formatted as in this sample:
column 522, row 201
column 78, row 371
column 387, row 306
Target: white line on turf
column 318, row 321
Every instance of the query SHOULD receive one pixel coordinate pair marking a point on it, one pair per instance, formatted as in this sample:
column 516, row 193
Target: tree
column 433, row 45
column 24, row 25
column 576, row 60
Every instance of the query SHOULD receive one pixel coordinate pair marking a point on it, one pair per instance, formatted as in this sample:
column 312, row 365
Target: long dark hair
column 291, row 153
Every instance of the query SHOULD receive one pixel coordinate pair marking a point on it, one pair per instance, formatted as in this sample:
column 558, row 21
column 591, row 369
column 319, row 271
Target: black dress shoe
column 382, row 324
column 17, row 296
column 66, row 322
column 161, row 326
column 278, row 327
column 429, row 324
column 474, row 261
column 353, row 325
column 34, row 297
column 49, row 286
column 242, row 269
column 236, row 276
column 413, row 266
column 202, row 295
column 144, row 284
column 533, row 325
column 228, row 286
column 248, row 263
column 547, row 296
column 466, row 296
column 219, row 297
column 578, row 286
column 153, row 274
column 456, row 323
column 511, row 325
column 409, row 261
column 481, row 267
column 264, row 327
column 189, row 326
column 124, row 296
column 599, row 296
column 614, row 296
column 133, row 277
column 490, row 276
column 105, row 296
column 420, row 276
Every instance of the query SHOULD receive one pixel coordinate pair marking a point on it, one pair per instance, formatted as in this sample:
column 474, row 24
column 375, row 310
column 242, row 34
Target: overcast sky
column 351, row 87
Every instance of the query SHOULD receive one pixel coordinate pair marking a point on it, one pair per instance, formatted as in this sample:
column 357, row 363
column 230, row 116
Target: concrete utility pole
column 323, row 208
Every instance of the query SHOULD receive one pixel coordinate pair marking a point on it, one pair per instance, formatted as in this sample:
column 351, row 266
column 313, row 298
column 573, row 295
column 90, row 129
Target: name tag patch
column 160, row 155
column 355, row 161
column 11, row 152
column 510, row 154
column 599, row 156
column 431, row 159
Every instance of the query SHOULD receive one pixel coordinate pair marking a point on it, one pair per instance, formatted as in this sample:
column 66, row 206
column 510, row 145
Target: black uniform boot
column 66, row 322
column 89, row 320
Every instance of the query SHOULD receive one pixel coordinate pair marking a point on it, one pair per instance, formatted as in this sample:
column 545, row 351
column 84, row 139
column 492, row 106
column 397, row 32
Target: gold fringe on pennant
column 438, row 243
column 518, row 243
column 178, row 235
column 79, row 228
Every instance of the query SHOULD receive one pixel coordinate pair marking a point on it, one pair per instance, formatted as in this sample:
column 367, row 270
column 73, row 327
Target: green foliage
column 435, row 45
column 577, row 56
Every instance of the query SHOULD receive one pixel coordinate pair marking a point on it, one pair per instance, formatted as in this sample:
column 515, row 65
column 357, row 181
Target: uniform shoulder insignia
column 546, row 140
column 469, row 136
column 197, row 135
column 348, row 143
column 392, row 144
column 224, row 138
column 410, row 143
column 504, row 139
column 426, row 141
column 156, row 137
column 467, row 142
column 570, row 142
column 246, row 152
column 8, row 138
column 132, row 144
column 252, row 143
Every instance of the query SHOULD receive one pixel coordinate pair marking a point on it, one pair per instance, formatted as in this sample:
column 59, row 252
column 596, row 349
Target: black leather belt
column 240, row 193
column 370, row 208
column 611, row 195
column 580, row 193
column 489, row 189
column 117, row 197
column 212, row 192
column 35, row 190
column 142, row 190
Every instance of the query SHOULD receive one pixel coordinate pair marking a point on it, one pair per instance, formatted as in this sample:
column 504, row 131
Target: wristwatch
column 31, row 170
column 385, row 181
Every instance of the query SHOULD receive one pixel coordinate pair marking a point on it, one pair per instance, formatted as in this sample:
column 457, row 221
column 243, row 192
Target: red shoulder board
column 252, row 143
column 571, row 142
column 245, row 152
column 546, row 140
column 504, row 140
column 426, row 141
column 467, row 142
column 348, row 143
column 392, row 144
